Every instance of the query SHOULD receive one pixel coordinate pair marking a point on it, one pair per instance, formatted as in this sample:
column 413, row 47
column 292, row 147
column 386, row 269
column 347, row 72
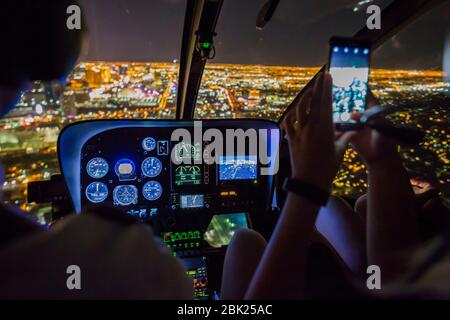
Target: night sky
column 151, row 30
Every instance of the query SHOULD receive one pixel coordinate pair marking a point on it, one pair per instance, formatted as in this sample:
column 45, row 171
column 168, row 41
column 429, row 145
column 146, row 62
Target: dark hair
column 36, row 43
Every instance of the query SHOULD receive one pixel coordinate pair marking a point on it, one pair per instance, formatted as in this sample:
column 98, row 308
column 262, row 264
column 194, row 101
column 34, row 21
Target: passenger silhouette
column 119, row 258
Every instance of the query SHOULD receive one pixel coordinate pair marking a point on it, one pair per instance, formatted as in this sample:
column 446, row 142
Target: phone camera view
column 349, row 68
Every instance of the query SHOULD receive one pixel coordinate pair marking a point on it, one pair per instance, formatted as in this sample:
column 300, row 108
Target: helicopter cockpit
column 196, row 149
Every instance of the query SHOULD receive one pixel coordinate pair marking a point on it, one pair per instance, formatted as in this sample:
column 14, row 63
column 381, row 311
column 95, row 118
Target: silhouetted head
column 35, row 44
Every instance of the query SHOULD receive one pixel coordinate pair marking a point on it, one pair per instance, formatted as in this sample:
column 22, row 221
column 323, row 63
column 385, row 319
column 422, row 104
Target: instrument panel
column 193, row 203
column 147, row 174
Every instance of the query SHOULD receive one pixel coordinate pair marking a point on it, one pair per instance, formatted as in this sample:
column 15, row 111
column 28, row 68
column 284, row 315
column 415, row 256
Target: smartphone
column 349, row 68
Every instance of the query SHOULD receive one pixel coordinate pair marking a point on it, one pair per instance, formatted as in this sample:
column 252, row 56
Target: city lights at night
column 128, row 90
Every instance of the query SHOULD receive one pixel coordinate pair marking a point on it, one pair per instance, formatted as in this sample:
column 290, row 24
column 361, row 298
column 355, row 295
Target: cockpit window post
column 199, row 29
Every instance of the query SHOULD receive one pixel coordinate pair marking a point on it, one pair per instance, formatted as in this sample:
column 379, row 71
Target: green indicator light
column 206, row 45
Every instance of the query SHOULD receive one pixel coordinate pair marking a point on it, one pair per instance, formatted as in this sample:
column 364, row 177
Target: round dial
column 96, row 192
column 151, row 167
column 152, row 190
column 149, row 144
column 97, row 168
column 125, row 195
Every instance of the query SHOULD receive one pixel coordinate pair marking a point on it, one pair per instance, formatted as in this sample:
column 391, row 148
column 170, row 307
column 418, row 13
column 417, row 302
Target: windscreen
column 258, row 73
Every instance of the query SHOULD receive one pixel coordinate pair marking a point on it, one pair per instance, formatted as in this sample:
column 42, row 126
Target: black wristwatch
column 307, row 191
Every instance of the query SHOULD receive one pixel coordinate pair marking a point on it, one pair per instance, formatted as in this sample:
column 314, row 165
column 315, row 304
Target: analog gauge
column 125, row 195
column 151, row 167
column 96, row 192
column 149, row 144
column 97, row 168
column 152, row 190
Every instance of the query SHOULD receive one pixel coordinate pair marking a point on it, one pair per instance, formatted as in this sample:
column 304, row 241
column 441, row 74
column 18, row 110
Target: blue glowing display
column 96, row 192
column 125, row 169
column 74, row 137
column 149, row 144
column 151, row 167
column 139, row 213
column 152, row 190
column 238, row 168
column 97, row 168
column 125, row 195
column 191, row 201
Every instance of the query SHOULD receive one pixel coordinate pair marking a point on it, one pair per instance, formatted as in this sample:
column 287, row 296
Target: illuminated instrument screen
column 192, row 201
column 182, row 240
column 188, row 175
column 197, row 271
column 125, row 169
column 172, row 237
column 238, row 168
column 184, row 151
column 163, row 148
column 143, row 213
column 222, row 228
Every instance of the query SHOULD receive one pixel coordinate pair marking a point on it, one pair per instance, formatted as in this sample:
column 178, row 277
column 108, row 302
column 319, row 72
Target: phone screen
column 349, row 68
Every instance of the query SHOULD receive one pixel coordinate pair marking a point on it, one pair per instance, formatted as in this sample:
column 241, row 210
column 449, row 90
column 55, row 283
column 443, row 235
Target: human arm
column 314, row 160
column 391, row 207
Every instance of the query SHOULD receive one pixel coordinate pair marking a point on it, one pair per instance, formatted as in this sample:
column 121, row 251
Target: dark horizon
column 150, row 31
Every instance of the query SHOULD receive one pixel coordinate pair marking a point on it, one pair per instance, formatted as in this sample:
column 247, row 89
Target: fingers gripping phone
column 349, row 68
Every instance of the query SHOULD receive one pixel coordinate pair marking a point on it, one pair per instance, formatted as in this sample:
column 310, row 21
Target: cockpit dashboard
column 195, row 182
